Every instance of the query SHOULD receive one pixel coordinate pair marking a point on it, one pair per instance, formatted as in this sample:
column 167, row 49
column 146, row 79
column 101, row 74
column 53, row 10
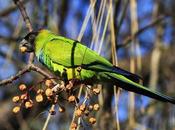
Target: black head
column 28, row 41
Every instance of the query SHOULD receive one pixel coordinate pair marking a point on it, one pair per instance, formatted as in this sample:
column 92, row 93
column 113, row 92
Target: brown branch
column 28, row 68
column 12, row 78
column 8, row 39
column 10, row 9
column 27, row 22
column 130, row 38
column 24, row 14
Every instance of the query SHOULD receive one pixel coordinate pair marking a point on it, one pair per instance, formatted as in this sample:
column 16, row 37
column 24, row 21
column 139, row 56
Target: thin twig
column 48, row 118
column 130, row 38
column 115, row 62
column 122, row 16
column 10, row 9
column 89, row 12
column 27, row 22
column 105, row 28
column 12, row 78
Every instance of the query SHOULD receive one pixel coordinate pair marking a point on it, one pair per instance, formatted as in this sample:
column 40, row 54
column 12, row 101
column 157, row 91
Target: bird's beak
column 25, row 46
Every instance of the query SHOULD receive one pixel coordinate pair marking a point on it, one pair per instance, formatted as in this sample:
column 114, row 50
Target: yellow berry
column 61, row 109
column 39, row 98
column 40, row 91
column 71, row 98
column 28, row 104
column 96, row 107
column 90, row 107
column 69, row 85
column 23, row 49
column 16, row 109
column 52, row 111
column 23, row 97
column 73, row 126
column 78, row 112
column 15, row 99
column 48, row 83
column 86, row 112
column 49, row 92
column 82, row 107
column 22, row 87
column 96, row 91
column 92, row 120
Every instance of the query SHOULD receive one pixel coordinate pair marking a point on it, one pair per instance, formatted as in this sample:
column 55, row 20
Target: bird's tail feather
column 129, row 85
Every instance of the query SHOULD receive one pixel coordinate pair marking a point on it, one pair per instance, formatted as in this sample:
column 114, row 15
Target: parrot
column 71, row 59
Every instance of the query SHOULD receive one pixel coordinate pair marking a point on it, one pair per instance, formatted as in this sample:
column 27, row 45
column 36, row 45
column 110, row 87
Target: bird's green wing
column 72, row 54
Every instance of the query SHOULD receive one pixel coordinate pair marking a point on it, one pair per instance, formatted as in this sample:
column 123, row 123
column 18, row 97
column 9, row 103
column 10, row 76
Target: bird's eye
column 32, row 37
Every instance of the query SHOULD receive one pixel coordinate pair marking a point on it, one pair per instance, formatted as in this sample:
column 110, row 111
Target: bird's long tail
column 129, row 85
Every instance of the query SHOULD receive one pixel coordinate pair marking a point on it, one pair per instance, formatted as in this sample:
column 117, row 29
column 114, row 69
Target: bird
column 71, row 59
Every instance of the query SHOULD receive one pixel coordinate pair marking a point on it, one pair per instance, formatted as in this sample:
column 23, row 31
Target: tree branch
column 10, row 9
column 130, row 38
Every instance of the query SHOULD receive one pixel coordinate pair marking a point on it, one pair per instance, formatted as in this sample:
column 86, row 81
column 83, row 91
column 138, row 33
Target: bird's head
column 27, row 43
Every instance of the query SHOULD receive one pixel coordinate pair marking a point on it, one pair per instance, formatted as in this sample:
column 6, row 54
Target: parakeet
column 70, row 59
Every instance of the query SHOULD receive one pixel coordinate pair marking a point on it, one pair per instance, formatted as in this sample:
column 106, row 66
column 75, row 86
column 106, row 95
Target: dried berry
column 92, row 120
column 73, row 126
column 49, row 92
column 15, row 99
column 49, row 83
column 23, row 97
column 96, row 91
column 28, row 104
column 90, row 107
column 61, row 109
column 96, row 107
column 86, row 112
column 39, row 98
column 40, row 91
column 78, row 112
column 82, row 107
column 16, row 109
column 22, row 87
column 52, row 111
column 71, row 98
column 69, row 85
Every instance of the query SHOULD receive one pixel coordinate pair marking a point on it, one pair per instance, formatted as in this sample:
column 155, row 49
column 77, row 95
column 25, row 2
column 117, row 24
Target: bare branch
column 153, row 23
column 12, row 78
column 28, row 68
column 10, row 9
column 27, row 22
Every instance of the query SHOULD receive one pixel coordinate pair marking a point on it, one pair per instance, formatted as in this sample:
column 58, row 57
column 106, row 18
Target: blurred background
column 144, row 34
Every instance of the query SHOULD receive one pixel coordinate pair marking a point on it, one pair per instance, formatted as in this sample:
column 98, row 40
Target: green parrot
column 70, row 59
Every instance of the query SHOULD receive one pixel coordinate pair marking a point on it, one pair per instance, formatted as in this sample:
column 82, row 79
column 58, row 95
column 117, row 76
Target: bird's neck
column 41, row 40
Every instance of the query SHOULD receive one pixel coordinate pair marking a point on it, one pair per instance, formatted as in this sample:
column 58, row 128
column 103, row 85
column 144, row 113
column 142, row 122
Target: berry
column 39, row 98
column 96, row 107
column 92, row 120
column 71, row 98
column 15, row 99
column 49, row 92
column 22, row 87
column 78, row 112
column 61, row 109
column 49, row 83
column 28, row 104
column 16, row 109
column 82, row 107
